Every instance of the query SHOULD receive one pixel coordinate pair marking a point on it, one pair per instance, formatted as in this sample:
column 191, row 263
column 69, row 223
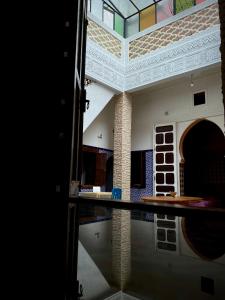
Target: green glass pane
column 119, row 24
column 183, row 4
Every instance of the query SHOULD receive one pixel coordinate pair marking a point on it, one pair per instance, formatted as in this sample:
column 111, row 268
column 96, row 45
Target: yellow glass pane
column 147, row 17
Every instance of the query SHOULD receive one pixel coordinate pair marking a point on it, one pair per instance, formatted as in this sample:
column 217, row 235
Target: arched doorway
column 203, row 150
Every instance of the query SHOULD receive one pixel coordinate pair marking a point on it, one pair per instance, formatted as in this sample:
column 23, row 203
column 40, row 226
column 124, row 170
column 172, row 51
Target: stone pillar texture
column 121, row 241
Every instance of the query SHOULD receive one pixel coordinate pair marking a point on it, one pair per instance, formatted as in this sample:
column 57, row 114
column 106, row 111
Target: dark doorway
column 204, row 168
column 109, row 174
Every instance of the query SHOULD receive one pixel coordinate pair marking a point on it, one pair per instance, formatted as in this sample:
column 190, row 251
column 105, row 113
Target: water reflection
column 205, row 236
column 178, row 258
column 171, row 257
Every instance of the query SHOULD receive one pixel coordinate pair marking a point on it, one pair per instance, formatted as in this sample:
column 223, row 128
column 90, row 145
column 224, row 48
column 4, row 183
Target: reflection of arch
column 202, row 167
column 205, row 235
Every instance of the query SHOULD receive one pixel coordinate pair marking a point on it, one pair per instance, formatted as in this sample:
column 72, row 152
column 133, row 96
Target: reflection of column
column 121, row 179
column 121, row 247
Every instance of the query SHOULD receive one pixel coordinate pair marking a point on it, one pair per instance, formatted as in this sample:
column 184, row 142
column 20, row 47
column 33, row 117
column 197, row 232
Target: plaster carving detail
column 103, row 66
column 189, row 54
column 168, row 34
column 193, row 52
column 104, row 38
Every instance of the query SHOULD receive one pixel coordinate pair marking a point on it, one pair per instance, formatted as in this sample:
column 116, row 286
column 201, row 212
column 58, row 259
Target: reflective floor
column 182, row 258
column 171, row 257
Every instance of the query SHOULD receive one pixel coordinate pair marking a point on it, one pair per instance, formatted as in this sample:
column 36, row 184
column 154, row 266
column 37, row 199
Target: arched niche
column 202, row 167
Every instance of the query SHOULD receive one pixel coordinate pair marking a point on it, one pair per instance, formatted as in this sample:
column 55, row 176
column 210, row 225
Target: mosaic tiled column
column 121, row 178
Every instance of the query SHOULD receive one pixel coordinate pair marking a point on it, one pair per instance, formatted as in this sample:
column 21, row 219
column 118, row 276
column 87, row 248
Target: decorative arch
column 202, row 148
column 186, row 131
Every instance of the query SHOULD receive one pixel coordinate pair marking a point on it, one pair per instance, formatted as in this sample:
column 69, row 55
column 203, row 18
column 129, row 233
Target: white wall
column 96, row 8
column 103, row 124
column 176, row 100
column 132, row 25
column 99, row 95
column 97, row 240
column 149, row 107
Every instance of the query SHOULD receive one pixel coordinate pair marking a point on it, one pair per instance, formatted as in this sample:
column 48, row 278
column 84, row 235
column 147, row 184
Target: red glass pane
column 199, row 1
column 164, row 10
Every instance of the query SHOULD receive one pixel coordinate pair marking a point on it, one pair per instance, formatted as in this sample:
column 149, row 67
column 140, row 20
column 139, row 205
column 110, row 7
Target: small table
column 170, row 199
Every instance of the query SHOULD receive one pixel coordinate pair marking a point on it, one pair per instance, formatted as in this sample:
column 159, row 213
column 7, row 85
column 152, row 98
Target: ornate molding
column 194, row 52
column 104, row 67
column 191, row 53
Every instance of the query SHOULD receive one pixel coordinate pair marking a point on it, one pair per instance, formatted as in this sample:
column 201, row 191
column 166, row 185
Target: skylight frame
column 138, row 12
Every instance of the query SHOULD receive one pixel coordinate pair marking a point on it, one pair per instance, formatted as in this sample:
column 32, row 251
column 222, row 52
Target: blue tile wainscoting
column 136, row 194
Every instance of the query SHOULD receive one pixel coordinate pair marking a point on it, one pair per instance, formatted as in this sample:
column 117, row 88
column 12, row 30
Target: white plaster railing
column 191, row 53
column 104, row 66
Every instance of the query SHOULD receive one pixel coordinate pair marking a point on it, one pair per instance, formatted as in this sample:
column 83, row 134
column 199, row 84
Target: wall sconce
column 191, row 83
column 87, row 81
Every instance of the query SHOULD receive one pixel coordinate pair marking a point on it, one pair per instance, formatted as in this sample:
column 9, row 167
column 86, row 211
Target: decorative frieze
column 198, row 51
column 175, row 31
column 103, row 66
column 104, row 38
column 191, row 53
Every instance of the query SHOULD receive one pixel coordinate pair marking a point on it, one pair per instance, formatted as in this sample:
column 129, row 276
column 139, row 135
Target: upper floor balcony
column 133, row 44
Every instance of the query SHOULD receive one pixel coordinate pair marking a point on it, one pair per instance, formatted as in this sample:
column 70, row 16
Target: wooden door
column 164, row 159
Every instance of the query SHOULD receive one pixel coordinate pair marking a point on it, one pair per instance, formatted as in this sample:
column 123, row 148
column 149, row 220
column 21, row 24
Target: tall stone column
column 121, row 178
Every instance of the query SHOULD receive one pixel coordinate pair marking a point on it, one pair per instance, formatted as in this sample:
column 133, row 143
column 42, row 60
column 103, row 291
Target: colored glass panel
column 199, row 1
column 125, row 7
column 183, row 4
column 119, row 24
column 143, row 3
column 164, row 10
column 96, row 8
column 132, row 25
column 147, row 17
column 89, row 5
column 108, row 17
